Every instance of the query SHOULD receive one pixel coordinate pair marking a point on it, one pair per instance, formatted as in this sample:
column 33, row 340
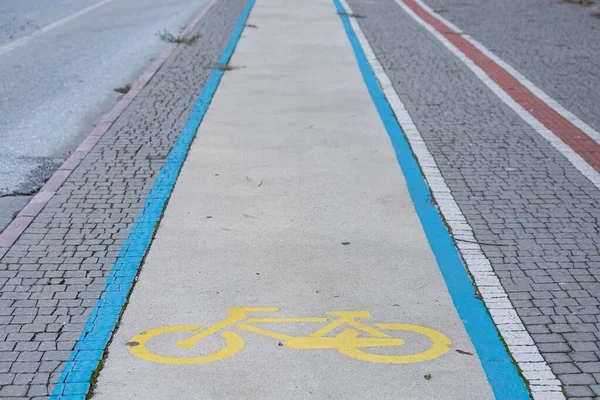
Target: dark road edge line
column 74, row 382
column 501, row 373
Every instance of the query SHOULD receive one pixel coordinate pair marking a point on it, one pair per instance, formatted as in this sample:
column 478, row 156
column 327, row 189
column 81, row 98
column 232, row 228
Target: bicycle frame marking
column 346, row 342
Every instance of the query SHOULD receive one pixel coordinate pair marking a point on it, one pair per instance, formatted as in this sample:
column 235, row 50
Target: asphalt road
column 55, row 87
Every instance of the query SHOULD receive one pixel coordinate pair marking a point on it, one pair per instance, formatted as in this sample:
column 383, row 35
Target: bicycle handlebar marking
column 346, row 342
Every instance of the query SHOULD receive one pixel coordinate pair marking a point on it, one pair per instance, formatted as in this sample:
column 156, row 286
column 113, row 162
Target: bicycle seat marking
column 347, row 341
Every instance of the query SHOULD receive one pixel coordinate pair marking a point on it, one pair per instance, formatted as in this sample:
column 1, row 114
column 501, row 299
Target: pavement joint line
column 74, row 381
column 502, row 376
column 11, row 233
column 582, row 151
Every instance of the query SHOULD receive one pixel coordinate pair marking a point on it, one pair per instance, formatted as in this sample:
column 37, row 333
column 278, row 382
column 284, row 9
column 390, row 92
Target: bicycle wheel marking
column 234, row 344
column 350, row 341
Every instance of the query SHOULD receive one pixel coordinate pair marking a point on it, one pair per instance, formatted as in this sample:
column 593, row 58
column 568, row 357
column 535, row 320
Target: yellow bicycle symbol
column 346, row 342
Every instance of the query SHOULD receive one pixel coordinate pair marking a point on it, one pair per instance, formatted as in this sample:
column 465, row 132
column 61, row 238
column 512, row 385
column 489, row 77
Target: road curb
column 13, row 231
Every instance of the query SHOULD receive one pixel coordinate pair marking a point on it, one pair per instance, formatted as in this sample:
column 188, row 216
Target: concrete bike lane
column 291, row 261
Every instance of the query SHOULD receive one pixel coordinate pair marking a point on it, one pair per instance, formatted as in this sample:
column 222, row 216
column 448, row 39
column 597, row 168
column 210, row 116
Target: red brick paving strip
column 12, row 232
column 574, row 137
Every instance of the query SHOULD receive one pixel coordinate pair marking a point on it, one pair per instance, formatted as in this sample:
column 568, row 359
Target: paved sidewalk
column 291, row 198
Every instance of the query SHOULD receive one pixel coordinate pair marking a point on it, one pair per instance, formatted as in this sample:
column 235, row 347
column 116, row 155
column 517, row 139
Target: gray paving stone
column 30, row 356
column 24, row 367
column 37, row 390
column 6, row 379
column 584, row 346
column 583, row 356
column 49, row 366
column 560, row 328
column 14, row 390
column 580, row 337
column 19, row 337
column 547, row 338
column 23, row 379
column 589, row 367
column 578, row 391
column 564, row 368
column 577, row 379
column 9, row 356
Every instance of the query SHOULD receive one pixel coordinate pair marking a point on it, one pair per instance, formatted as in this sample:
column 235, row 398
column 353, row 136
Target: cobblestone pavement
column 555, row 44
column 51, row 278
column 517, row 193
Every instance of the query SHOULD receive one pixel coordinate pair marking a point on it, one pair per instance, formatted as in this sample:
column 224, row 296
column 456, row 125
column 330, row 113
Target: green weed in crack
column 168, row 37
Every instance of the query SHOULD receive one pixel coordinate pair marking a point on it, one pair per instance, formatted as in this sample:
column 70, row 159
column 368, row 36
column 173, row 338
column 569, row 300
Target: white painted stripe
column 566, row 114
column 21, row 41
column 544, row 385
column 575, row 159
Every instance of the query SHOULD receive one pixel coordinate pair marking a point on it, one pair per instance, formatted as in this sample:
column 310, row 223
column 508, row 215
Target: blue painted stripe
column 74, row 381
column 497, row 364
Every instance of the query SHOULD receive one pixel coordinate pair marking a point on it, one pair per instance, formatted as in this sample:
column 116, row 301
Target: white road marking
column 544, row 384
column 575, row 159
column 21, row 41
